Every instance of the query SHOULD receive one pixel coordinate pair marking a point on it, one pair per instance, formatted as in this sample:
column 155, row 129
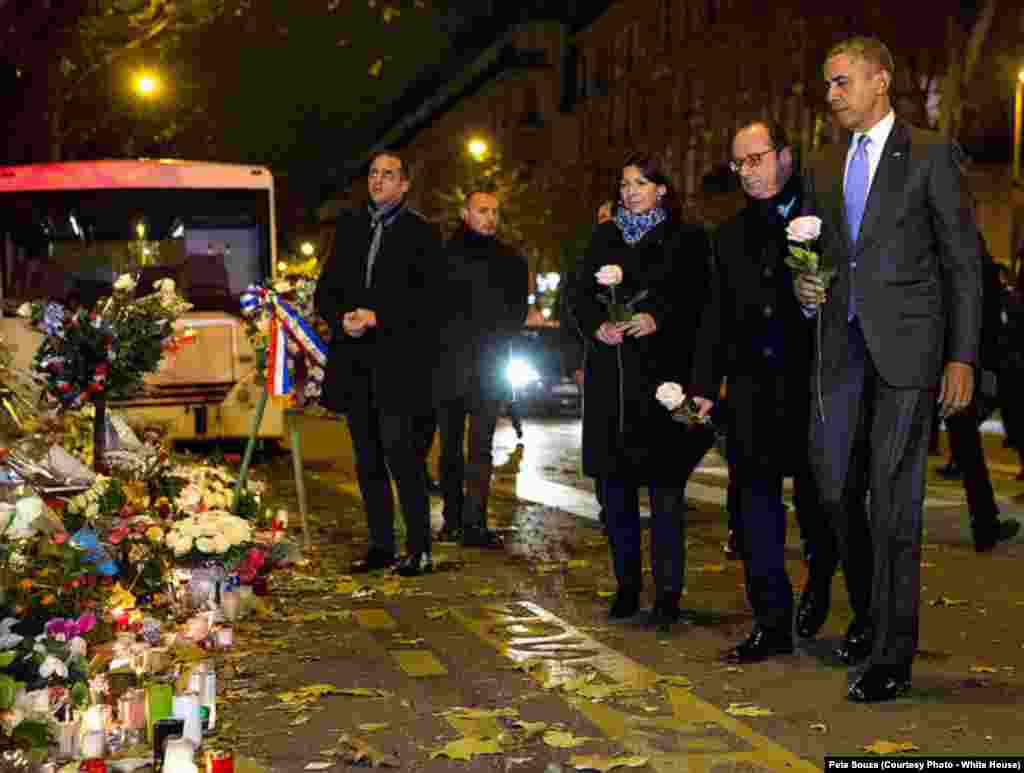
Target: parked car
column 540, row 371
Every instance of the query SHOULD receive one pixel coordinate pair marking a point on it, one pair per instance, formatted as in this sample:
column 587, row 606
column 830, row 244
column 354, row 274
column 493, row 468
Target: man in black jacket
column 484, row 302
column 374, row 293
column 758, row 338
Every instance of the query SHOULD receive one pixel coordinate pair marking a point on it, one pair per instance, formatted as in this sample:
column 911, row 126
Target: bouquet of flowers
column 214, row 534
column 682, row 408
column 103, row 353
column 284, row 331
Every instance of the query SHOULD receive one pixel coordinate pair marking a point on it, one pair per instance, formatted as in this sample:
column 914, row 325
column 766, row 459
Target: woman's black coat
column 627, row 433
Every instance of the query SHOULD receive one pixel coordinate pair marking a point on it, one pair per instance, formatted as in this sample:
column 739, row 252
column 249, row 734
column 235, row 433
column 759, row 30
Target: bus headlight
column 520, row 373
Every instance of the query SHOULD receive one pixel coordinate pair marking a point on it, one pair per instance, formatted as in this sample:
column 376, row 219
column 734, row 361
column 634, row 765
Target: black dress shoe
column 988, row 536
column 857, row 644
column 626, row 604
column 665, row 612
column 811, row 612
column 375, row 559
column 880, row 683
column 481, row 537
column 761, row 645
column 950, row 472
column 415, row 564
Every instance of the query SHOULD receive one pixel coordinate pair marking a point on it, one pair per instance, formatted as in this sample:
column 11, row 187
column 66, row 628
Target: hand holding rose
column 356, row 323
column 609, row 276
column 804, row 229
column 670, row 394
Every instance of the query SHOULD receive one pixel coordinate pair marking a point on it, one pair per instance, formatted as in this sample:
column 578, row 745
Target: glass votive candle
column 231, row 604
column 67, row 739
column 179, row 756
column 131, row 710
column 94, row 744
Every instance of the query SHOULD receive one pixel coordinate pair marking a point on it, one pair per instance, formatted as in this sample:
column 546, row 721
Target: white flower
column 670, row 395
column 78, row 646
column 25, row 310
column 53, row 666
column 164, row 286
column 609, row 276
column 125, row 282
column 206, row 545
column 804, row 229
column 10, row 640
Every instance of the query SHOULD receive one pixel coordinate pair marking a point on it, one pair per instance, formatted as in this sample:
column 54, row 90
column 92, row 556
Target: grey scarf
column 379, row 218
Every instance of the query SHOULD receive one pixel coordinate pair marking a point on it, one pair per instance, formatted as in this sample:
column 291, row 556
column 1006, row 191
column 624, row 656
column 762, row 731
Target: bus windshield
column 71, row 245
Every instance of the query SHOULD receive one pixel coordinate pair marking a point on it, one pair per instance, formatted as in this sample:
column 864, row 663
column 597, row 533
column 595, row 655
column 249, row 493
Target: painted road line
column 413, row 659
column 696, row 737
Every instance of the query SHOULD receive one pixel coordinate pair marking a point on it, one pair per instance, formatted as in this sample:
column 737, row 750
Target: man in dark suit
column 374, row 293
column 756, row 336
column 903, row 311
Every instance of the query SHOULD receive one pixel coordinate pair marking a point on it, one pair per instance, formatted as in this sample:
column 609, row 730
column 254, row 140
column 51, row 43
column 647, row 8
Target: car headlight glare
column 520, row 373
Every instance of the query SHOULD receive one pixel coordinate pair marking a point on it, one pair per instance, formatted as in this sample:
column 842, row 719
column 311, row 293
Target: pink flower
column 804, row 229
column 609, row 276
column 59, row 538
column 117, row 535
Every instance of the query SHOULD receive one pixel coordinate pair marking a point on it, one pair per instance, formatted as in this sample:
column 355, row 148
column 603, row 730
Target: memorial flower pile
column 214, row 534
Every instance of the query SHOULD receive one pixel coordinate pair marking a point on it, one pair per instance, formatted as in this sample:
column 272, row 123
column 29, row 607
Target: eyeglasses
column 753, row 160
column 385, row 174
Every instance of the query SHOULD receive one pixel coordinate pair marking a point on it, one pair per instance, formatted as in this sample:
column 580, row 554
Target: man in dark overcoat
column 375, row 295
column 900, row 329
column 484, row 295
column 758, row 338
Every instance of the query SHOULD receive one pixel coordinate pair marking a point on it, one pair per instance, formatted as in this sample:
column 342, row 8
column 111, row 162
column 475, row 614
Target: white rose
column 164, row 286
column 25, row 310
column 125, row 282
column 609, row 276
column 206, row 545
column 220, row 544
column 79, row 646
column 804, row 229
column 670, row 395
column 182, row 546
column 53, row 666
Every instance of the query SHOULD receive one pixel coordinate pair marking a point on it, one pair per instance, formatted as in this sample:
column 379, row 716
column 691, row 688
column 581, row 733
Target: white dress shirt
column 878, row 134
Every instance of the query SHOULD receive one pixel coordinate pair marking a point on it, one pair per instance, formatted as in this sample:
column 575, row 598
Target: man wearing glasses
column 756, row 337
column 374, row 294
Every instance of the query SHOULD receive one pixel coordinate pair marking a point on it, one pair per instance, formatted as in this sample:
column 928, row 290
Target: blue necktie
column 855, row 196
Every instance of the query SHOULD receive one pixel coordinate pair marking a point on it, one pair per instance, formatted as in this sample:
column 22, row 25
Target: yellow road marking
column 375, row 619
column 696, row 738
column 419, row 663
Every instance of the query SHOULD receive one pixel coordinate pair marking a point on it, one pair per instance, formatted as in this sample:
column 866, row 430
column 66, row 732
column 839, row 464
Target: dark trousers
column 1011, row 406
column 871, row 428
column 386, row 446
column 969, row 457
column 761, row 517
column 466, row 487
column 668, row 524
column 425, row 427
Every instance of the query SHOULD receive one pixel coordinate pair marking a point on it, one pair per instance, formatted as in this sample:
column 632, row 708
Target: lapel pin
column 897, row 153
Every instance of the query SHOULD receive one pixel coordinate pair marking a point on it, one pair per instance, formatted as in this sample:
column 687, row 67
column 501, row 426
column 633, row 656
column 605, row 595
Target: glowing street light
column 307, row 249
column 1018, row 109
column 147, row 85
column 477, row 149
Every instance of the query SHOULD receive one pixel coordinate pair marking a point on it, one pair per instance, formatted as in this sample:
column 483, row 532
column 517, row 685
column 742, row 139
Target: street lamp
column 1018, row 108
column 477, row 149
column 147, row 85
column 307, row 249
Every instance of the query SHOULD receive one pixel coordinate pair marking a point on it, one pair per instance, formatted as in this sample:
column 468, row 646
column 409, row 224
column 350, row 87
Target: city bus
column 68, row 229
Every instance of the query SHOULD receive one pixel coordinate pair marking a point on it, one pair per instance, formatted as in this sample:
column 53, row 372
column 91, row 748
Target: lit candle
column 186, row 707
column 178, row 757
column 225, row 638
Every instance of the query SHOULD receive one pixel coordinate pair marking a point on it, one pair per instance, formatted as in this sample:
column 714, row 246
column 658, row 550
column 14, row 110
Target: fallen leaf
column 674, row 681
column 365, row 692
column 361, row 753
column 345, row 585
column 603, row 763
column 710, row 568
column 747, row 710
column 982, row 670
column 531, row 728
column 470, row 713
column 467, row 748
column 821, row 727
column 604, row 594
column 483, row 592
column 318, row 765
column 891, row 747
column 389, row 14
column 373, row 727
column 946, row 601
column 299, row 720
column 562, row 739
column 577, row 563
column 376, row 67
column 436, row 613
column 307, row 694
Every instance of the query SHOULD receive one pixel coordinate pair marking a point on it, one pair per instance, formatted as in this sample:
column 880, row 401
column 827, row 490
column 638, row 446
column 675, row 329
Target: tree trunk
column 99, row 436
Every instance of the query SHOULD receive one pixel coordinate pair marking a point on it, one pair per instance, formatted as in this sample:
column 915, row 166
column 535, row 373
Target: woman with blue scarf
column 638, row 297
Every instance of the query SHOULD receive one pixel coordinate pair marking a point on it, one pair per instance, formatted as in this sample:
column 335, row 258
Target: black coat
column 400, row 353
column 757, row 337
column 633, row 437
column 483, row 300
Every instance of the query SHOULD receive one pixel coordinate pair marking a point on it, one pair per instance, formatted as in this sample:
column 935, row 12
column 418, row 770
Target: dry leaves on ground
column 604, row 763
column 946, row 601
column 563, row 739
column 359, row 752
column 467, row 748
column 982, row 670
column 747, row 710
column 891, row 747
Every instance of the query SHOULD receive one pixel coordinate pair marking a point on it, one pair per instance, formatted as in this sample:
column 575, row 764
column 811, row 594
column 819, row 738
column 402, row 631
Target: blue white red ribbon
column 285, row 324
